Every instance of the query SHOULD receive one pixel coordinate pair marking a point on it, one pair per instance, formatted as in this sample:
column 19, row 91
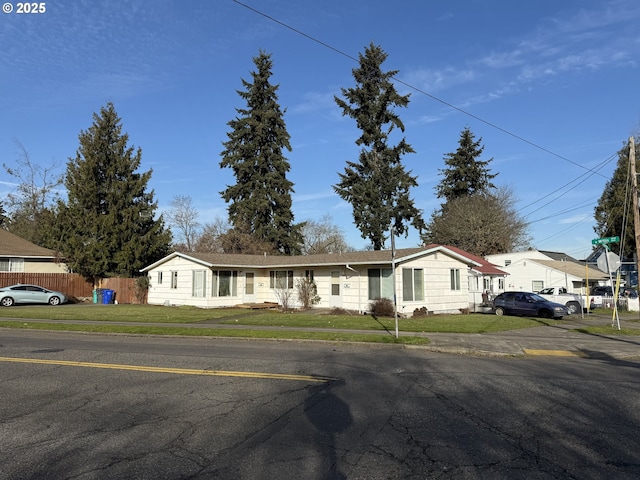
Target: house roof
column 485, row 267
column 351, row 258
column 12, row 245
column 558, row 256
column 575, row 269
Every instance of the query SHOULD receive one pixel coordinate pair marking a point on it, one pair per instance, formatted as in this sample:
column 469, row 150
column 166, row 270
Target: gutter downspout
column 354, row 270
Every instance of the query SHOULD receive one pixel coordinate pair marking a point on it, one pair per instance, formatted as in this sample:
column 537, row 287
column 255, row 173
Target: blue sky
column 550, row 87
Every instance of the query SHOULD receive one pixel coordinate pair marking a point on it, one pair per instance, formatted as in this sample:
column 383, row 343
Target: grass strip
column 206, row 332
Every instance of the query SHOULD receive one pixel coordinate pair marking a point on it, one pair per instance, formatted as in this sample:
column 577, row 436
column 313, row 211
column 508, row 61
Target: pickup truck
column 573, row 301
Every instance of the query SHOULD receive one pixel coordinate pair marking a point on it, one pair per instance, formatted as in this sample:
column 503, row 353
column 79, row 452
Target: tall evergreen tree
column 260, row 201
column 613, row 213
column 465, row 174
column 107, row 226
column 377, row 186
column 475, row 216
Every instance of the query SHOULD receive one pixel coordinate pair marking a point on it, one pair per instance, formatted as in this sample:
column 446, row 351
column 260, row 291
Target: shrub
column 421, row 312
column 307, row 293
column 382, row 307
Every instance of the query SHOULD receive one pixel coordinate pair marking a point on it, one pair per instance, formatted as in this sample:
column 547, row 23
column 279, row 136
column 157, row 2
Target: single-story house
column 435, row 277
column 486, row 280
column 533, row 270
column 20, row 255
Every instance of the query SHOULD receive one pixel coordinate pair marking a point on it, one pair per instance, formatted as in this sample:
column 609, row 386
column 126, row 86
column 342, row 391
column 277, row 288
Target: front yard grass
column 461, row 323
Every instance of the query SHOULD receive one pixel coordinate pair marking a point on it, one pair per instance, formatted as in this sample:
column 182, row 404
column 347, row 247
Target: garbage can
column 98, row 295
column 107, row 296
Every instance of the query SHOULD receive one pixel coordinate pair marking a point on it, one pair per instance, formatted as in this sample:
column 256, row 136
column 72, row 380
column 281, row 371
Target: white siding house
column 534, row 270
column 434, row 277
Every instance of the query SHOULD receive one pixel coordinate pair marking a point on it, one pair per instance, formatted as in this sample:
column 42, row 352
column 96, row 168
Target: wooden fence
column 74, row 285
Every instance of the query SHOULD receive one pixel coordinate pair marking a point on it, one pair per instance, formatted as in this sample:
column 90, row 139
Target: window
column 308, row 274
column 159, row 278
column 455, row 278
column 174, row 279
column 199, row 281
column 335, row 283
column 507, row 263
column 537, row 285
column 12, row 265
column 380, row 283
column 281, row 279
column 224, row 283
column 412, row 284
column 486, row 283
column 501, row 284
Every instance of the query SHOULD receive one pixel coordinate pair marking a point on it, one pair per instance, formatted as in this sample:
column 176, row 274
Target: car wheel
column 499, row 311
column 544, row 313
column 54, row 301
column 573, row 307
column 6, row 302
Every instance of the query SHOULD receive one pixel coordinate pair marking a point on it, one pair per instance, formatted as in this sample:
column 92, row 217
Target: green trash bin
column 98, row 295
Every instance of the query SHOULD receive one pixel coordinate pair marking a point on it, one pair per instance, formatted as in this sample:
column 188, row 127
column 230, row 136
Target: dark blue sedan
column 527, row 303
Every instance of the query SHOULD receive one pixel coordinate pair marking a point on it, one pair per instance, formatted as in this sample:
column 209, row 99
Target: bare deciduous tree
column 323, row 236
column 183, row 217
column 210, row 238
column 481, row 224
column 36, row 191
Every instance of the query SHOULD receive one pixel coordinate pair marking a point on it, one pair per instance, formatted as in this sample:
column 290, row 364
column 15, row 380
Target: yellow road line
column 555, row 353
column 180, row 371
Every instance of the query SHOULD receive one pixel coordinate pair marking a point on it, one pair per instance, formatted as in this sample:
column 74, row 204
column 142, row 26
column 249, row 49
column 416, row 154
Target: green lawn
column 472, row 323
column 333, row 327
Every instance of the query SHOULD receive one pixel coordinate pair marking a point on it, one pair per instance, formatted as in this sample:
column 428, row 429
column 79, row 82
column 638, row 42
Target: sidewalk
column 557, row 340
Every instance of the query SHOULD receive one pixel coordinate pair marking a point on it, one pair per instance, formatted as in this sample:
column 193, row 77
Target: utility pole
column 634, row 195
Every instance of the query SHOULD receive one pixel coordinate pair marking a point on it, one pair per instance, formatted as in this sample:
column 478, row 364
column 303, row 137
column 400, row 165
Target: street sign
column 605, row 240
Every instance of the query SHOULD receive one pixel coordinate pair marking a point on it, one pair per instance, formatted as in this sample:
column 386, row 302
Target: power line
column 416, row 89
column 586, row 176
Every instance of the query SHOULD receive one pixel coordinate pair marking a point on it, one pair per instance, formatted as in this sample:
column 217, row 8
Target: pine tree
column 260, row 201
column 613, row 213
column 475, row 216
column 377, row 186
column 107, row 226
column 466, row 173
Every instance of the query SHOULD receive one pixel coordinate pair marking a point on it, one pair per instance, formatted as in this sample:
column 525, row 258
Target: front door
column 335, row 299
column 249, row 295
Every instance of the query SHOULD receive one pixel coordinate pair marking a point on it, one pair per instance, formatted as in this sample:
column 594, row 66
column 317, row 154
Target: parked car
column 527, row 303
column 16, row 294
column 606, row 291
column 603, row 291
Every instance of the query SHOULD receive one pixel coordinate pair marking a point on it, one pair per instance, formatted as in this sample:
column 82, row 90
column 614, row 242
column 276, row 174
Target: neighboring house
column 533, row 270
column 435, row 277
column 20, row 255
column 486, row 280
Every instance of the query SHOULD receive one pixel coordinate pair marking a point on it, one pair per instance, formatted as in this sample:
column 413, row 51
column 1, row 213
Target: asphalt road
column 80, row 406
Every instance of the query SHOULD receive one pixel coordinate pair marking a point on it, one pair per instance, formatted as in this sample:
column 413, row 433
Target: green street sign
column 605, row 240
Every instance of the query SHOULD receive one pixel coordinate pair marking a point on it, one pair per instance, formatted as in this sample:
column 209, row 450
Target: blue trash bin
column 107, row 296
